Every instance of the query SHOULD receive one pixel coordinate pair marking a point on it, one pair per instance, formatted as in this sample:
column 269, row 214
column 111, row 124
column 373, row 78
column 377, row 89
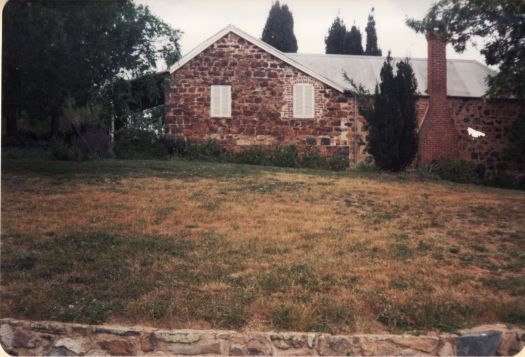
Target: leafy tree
column 336, row 37
column 59, row 49
column 499, row 22
column 391, row 117
column 501, row 25
column 278, row 31
column 352, row 44
column 371, row 37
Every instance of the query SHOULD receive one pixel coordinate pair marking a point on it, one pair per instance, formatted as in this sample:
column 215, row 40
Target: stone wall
column 495, row 120
column 54, row 338
column 262, row 107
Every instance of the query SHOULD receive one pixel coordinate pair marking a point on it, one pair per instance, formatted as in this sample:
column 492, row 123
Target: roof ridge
column 380, row 57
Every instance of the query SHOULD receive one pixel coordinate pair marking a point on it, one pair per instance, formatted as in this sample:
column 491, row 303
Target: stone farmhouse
column 245, row 93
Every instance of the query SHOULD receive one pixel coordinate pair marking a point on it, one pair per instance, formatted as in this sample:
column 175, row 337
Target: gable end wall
column 262, row 106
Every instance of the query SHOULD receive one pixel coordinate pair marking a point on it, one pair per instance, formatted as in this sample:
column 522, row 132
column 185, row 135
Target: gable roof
column 465, row 78
column 262, row 45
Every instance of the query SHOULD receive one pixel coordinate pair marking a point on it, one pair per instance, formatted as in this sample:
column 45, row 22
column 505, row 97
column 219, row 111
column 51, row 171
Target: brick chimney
column 438, row 136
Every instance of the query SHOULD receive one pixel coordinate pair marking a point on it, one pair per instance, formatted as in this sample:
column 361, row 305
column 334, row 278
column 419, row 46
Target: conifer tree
column 371, row 37
column 336, row 37
column 278, row 31
column 392, row 138
column 406, row 85
column 352, row 44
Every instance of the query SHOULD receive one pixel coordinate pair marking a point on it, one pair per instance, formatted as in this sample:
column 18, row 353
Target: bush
column 500, row 179
column 60, row 150
column 93, row 143
column 209, row 149
column 338, row 163
column 456, row 171
column 364, row 167
column 252, row 157
column 313, row 160
column 20, row 152
column 139, row 144
column 176, row 146
column 285, row 156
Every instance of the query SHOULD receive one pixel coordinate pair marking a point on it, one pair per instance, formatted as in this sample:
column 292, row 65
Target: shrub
column 209, row 149
column 139, row 144
column 366, row 167
column 252, row 157
column 501, row 179
column 456, row 171
column 338, row 163
column 176, row 146
column 20, row 152
column 93, row 143
column 285, row 156
column 60, row 150
column 313, row 160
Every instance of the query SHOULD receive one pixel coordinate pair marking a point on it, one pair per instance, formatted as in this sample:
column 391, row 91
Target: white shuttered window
column 303, row 101
column 221, row 101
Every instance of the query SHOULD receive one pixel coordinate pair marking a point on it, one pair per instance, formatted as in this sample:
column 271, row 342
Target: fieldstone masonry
column 47, row 338
column 262, row 105
column 262, row 110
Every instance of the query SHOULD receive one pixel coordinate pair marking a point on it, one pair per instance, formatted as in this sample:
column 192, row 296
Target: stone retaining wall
column 55, row 338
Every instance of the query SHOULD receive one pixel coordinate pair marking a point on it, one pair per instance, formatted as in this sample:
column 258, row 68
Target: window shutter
column 226, row 101
column 221, row 102
column 303, row 101
column 215, row 101
column 298, row 102
column 308, row 92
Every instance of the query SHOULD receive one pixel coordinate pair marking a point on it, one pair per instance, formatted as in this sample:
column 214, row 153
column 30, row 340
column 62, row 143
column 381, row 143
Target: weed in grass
column 454, row 250
column 401, row 251
column 425, row 312
column 286, row 317
column 423, row 247
column 512, row 312
column 515, row 285
column 227, row 310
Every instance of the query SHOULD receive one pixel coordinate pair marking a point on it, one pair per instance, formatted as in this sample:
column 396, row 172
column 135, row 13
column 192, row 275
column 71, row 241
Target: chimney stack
column 438, row 137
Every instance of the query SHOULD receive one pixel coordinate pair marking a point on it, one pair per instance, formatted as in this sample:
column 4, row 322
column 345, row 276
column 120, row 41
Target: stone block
column 199, row 348
column 7, row 335
column 479, row 344
column 76, row 345
column 117, row 347
column 178, row 337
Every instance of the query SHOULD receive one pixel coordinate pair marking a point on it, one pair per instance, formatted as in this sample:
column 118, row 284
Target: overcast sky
column 200, row 19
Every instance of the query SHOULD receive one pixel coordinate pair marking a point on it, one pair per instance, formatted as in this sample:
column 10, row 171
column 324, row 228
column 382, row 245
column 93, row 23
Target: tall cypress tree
column 352, row 44
column 278, row 31
column 371, row 37
column 406, row 85
column 336, row 37
column 392, row 124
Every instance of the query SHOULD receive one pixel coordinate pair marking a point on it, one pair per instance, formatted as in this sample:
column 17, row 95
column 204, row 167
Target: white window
column 221, row 101
column 303, row 101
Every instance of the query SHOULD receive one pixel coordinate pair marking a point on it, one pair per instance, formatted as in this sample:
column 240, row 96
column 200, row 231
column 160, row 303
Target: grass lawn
column 204, row 245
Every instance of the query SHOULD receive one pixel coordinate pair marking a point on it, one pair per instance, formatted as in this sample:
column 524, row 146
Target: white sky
column 200, row 19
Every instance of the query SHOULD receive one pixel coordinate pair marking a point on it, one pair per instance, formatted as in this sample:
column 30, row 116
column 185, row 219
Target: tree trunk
column 11, row 125
column 55, row 125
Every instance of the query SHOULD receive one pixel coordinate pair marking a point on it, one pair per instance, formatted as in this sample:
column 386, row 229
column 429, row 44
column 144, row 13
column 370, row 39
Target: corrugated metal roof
column 465, row 78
